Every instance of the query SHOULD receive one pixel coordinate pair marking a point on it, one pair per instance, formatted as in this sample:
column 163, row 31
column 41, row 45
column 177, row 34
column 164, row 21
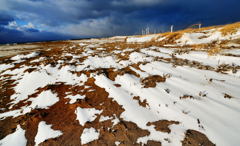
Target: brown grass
column 152, row 81
column 141, row 103
column 227, row 96
column 153, row 143
column 230, row 28
column 195, row 138
column 186, row 96
column 214, row 51
column 162, row 125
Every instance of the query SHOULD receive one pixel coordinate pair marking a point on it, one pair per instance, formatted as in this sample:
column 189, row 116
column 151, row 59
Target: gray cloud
column 86, row 18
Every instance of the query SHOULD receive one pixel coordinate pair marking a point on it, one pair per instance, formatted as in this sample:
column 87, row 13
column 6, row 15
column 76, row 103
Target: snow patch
column 45, row 132
column 86, row 115
column 88, row 135
column 74, row 98
column 117, row 143
column 44, row 100
column 20, row 57
column 101, row 62
column 136, row 57
column 199, row 38
column 141, row 39
column 27, row 83
column 5, row 66
column 214, row 61
column 102, row 118
column 15, row 139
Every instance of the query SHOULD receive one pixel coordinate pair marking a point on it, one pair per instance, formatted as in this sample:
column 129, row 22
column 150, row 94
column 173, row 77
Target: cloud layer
column 34, row 20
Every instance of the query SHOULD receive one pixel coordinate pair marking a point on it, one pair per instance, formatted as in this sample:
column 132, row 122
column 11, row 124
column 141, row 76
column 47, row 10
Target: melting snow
column 20, row 57
column 204, row 38
column 218, row 116
column 183, row 80
column 74, row 98
column 88, row 135
column 86, row 114
column 5, row 66
column 45, row 132
column 15, row 139
column 102, row 118
column 37, row 79
column 141, row 39
column 101, row 62
column 136, row 57
column 214, row 61
column 117, row 143
column 44, row 100
column 198, row 38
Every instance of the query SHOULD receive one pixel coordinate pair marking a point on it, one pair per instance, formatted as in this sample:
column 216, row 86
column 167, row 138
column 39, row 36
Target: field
column 170, row 89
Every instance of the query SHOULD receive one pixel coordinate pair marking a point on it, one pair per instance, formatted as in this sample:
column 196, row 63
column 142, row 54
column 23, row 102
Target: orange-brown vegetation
column 162, row 125
column 195, row 138
column 152, row 81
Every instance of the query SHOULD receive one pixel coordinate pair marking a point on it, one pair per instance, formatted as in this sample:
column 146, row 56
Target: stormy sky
column 39, row 20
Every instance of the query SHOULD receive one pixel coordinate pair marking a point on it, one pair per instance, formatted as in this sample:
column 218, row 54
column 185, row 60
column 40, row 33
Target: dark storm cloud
column 91, row 18
column 5, row 18
column 29, row 35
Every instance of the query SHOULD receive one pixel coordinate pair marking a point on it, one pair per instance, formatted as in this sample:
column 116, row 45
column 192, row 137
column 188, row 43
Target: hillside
column 169, row 89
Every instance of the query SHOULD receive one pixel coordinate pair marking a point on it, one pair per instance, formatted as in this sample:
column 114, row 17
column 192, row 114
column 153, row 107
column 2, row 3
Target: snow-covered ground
column 106, row 88
column 89, row 135
column 15, row 139
column 45, row 132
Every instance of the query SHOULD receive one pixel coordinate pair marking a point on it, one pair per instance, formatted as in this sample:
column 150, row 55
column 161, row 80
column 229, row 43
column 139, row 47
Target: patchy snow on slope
column 13, row 113
column 235, row 35
column 136, row 57
column 26, row 81
column 82, row 44
column 15, row 139
column 45, row 132
column 166, row 50
column 141, row 39
column 101, row 62
column 183, row 80
column 193, row 82
column 27, row 56
column 199, row 38
column 37, row 79
column 155, row 54
column 44, row 100
column 5, row 66
column 233, row 45
column 117, row 143
column 103, row 118
column 146, row 85
column 38, row 60
column 134, row 112
column 214, row 60
column 206, row 37
column 161, row 38
column 232, row 51
column 89, row 135
column 86, row 114
column 74, row 98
